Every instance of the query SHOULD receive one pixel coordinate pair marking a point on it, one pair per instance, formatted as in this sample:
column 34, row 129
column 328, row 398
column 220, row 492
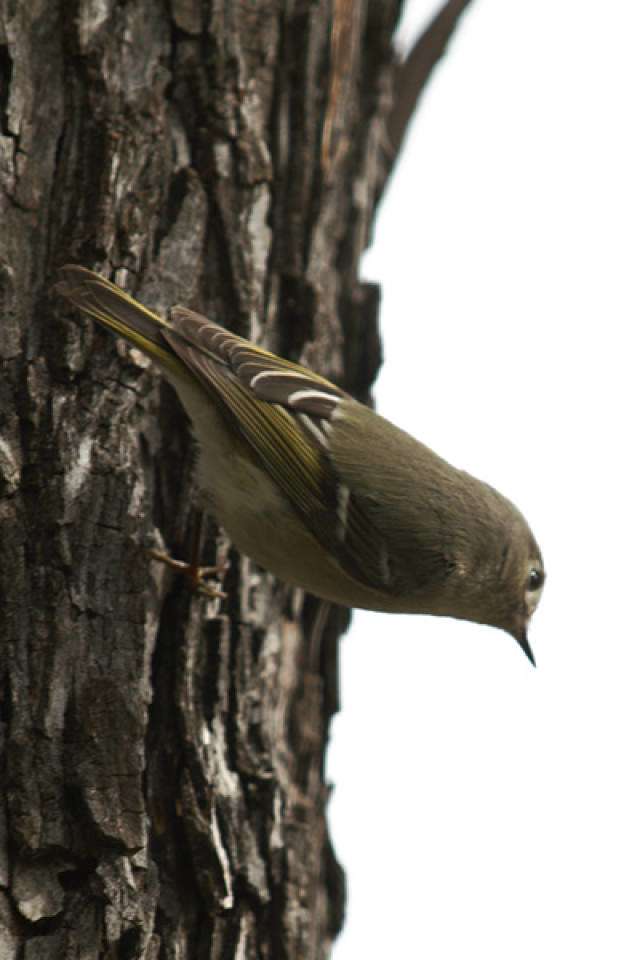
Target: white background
column 483, row 808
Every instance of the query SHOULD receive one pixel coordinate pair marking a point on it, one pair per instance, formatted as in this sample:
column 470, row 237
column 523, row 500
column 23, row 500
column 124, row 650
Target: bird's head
column 499, row 575
column 521, row 581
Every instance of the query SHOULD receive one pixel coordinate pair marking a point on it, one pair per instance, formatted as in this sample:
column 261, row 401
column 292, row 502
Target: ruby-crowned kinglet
column 322, row 491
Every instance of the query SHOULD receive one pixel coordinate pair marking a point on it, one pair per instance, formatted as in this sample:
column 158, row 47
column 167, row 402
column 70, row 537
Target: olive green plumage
column 322, row 491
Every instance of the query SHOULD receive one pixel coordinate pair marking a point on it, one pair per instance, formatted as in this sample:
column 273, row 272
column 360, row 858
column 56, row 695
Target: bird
column 321, row 490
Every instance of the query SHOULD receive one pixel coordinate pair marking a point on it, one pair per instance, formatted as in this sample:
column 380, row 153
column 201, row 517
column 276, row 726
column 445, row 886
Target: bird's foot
column 196, row 575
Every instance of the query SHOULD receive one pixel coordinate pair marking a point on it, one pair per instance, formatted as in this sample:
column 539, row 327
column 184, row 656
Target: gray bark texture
column 162, row 755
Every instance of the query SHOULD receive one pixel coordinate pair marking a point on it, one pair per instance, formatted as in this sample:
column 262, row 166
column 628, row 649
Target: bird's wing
column 284, row 411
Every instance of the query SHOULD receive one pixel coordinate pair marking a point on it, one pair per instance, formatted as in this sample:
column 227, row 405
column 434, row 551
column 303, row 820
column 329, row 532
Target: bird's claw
column 195, row 574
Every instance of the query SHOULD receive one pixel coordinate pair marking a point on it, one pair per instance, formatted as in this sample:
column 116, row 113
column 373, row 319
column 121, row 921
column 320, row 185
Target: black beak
column 521, row 637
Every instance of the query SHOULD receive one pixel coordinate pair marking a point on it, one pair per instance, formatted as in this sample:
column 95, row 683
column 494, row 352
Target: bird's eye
column 535, row 580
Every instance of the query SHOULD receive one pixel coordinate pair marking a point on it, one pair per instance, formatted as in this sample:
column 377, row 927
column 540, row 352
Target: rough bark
column 163, row 756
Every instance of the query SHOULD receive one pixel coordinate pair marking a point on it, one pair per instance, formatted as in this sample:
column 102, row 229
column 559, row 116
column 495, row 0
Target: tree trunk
column 162, row 755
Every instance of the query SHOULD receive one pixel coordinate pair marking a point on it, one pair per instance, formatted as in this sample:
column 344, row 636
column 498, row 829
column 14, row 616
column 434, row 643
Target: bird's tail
column 116, row 310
